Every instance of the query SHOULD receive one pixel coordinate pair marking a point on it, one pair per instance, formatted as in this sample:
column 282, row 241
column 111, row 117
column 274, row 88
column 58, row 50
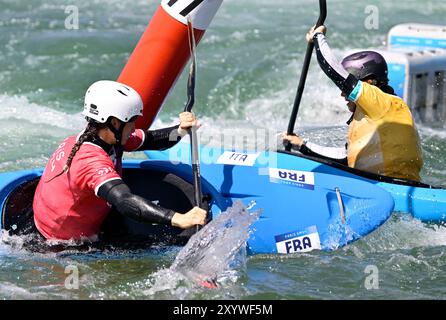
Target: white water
column 248, row 73
column 217, row 253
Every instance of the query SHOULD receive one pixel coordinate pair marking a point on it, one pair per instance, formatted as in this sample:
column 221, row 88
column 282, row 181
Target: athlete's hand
column 294, row 139
column 312, row 32
column 187, row 121
column 191, row 218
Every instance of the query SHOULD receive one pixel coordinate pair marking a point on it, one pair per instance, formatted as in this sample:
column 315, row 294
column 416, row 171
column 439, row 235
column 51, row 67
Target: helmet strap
column 117, row 132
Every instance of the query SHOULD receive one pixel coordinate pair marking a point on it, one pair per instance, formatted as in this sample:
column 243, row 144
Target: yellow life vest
column 382, row 137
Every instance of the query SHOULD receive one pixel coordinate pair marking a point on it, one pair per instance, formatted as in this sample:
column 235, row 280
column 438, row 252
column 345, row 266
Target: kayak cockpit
column 162, row 188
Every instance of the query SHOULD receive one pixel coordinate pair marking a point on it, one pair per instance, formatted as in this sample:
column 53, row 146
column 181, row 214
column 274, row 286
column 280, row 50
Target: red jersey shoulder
column 93, row 167
column 135, row 140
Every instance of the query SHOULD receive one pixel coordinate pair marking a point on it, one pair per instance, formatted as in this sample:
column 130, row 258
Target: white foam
column 432, row 132
column 19, row 107
column 404, row 232
column 12, row 291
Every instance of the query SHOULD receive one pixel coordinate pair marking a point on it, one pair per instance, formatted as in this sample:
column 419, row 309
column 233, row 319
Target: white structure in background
column 416, row 56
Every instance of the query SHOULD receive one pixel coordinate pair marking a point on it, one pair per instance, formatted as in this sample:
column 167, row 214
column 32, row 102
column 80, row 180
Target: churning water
column 248, row 67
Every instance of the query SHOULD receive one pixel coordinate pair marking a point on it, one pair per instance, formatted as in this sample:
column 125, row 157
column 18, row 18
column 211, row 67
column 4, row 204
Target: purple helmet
column 366, row 64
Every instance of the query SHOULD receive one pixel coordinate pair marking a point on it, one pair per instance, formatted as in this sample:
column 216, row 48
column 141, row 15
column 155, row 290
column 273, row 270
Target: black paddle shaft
column 198, row 195
column 303, row 75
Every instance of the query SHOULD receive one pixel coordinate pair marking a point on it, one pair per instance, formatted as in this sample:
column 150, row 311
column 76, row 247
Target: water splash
column 211, row 252
column 339, row 234
column 217, row 252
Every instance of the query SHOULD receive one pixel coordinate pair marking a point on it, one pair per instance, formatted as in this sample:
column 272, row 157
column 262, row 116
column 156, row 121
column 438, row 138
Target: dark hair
column 89, row 134
column 386, row 89
column 382, row 84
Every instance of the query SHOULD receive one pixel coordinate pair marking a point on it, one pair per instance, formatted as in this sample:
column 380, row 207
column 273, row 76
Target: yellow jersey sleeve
column 373, row 102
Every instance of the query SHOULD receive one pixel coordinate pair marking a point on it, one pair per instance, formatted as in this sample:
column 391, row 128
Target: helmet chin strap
column 117, row 132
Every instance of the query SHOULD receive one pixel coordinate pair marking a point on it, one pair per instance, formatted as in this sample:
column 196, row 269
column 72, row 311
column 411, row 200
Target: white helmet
column 106, row 99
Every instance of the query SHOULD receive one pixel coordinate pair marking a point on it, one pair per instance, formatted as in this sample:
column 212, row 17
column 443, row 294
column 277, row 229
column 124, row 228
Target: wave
column 20, row 108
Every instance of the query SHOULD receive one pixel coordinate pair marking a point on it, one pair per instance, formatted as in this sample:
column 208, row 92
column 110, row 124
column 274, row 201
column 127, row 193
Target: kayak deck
column 424, row 202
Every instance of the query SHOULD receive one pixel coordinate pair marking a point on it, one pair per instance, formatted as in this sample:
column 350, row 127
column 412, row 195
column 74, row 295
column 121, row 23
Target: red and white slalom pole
column 163, row 51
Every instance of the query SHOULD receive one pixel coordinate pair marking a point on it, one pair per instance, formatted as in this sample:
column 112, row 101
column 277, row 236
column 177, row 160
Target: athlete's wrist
column 301, row 146
column 176, row 219
column 316, row 34
column 181, row 132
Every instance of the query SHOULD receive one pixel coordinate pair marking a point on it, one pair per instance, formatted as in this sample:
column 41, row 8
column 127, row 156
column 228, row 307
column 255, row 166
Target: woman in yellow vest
column 382, row 137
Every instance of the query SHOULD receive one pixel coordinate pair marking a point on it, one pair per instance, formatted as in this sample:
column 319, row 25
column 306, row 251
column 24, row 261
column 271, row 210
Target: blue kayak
column 301, row 210
column 424, row 202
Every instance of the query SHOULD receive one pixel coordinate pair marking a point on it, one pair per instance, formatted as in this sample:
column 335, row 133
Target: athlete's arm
column 314, row 150
column 160, row 139
column 118, row 194
column 330, row 153
column 166, row 138
column 332, row 68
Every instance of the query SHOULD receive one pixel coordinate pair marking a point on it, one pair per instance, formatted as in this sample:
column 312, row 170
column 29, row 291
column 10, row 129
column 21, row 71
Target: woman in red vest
column 82, row 179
